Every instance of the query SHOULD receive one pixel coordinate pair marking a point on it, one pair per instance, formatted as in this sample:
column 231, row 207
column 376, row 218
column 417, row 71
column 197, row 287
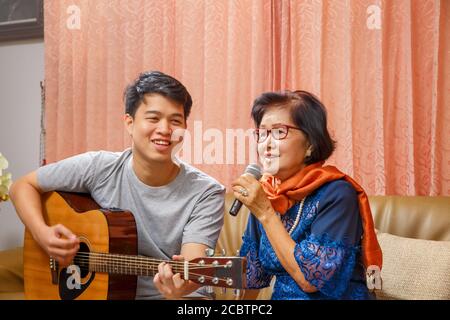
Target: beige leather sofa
column 414, row 233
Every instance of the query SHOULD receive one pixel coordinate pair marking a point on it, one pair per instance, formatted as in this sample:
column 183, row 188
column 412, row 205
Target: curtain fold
column 380, row 67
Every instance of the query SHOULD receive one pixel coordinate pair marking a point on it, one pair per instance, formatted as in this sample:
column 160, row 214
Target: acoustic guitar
column 107, row 264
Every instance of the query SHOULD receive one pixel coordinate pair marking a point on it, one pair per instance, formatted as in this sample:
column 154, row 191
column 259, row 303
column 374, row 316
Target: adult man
column 178, row 209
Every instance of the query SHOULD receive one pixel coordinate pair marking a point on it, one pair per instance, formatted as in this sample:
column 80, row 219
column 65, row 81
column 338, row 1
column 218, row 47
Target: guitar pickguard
column 70, row 284
column 75, row 279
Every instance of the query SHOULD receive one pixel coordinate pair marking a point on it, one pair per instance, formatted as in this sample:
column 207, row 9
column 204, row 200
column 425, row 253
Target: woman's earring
column 308, row 153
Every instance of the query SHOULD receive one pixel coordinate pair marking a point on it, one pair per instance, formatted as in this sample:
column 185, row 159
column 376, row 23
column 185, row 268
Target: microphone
column 255, row 171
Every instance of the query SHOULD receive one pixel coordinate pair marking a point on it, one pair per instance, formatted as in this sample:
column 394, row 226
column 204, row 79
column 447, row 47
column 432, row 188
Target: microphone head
column 254, row 170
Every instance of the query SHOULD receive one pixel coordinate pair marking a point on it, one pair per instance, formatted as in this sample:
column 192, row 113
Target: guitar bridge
column 54, row 268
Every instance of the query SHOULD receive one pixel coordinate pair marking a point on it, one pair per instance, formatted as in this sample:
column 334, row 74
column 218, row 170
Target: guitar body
column 99, row 230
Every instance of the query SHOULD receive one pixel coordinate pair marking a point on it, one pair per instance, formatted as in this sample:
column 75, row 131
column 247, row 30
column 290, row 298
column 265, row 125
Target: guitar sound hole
column 82, row 260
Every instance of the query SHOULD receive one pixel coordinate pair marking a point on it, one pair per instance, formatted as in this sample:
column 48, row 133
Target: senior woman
column 311, row 225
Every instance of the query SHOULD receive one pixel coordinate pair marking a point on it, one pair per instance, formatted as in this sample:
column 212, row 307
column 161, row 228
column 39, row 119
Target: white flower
column 5, row 179
column 3, row 163
column 5, row 183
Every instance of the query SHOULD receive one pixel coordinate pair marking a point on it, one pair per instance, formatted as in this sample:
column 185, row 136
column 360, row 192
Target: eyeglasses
column 278, row 133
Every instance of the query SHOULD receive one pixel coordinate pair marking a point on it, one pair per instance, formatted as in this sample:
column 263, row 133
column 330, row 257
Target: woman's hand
column 249, row 191
column 171, row 286
column 59, row 243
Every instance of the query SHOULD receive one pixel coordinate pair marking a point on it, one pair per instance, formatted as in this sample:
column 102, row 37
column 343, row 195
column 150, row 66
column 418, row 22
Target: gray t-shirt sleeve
column 206, row 220
column 74, row 174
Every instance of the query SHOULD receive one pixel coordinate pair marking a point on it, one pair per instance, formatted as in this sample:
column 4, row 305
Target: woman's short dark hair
column 308, row 114
column 156, row 82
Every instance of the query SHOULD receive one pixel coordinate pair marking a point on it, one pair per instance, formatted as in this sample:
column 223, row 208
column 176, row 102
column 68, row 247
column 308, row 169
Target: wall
column 21, row 70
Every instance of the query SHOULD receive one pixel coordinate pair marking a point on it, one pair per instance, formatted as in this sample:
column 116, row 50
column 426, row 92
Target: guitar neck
column 123, row 264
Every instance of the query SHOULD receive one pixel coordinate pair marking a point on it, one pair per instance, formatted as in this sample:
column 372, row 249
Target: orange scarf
column 284, row 195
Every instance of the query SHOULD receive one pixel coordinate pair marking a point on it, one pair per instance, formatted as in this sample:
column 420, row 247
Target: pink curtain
column 381, row 68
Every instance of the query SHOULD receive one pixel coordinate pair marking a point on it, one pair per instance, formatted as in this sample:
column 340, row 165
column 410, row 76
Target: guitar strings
column 136, row 259
column 147, row 270
column 134, row 262
column 137, row 264
column 122, row 256
column 85, row 257
column 121, row 264
column 144, row 260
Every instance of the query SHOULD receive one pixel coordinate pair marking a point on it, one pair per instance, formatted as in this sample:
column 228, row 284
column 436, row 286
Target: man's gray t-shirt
column 187, row 210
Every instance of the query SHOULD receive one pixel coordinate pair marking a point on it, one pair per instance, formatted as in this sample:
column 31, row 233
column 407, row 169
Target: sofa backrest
column 412, row 217
column 230, row 238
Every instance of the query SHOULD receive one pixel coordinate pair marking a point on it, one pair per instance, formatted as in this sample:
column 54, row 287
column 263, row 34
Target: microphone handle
column 236, row 206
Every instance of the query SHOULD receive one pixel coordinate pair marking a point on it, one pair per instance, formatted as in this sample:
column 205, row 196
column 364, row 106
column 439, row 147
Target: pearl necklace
column 297, row 218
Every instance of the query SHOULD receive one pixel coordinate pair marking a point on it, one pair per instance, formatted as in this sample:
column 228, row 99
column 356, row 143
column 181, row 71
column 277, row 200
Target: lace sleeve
column 326, row 264
column 257, row 277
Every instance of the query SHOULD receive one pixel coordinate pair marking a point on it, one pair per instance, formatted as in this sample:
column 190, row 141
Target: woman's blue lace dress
column 327, row 248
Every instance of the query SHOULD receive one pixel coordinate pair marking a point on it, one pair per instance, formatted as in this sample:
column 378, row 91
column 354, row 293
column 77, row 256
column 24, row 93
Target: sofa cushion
column 11, row 271
column 414, row 268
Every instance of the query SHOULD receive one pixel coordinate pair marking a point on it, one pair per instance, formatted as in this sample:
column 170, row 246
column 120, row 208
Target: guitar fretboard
column 122, row 264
